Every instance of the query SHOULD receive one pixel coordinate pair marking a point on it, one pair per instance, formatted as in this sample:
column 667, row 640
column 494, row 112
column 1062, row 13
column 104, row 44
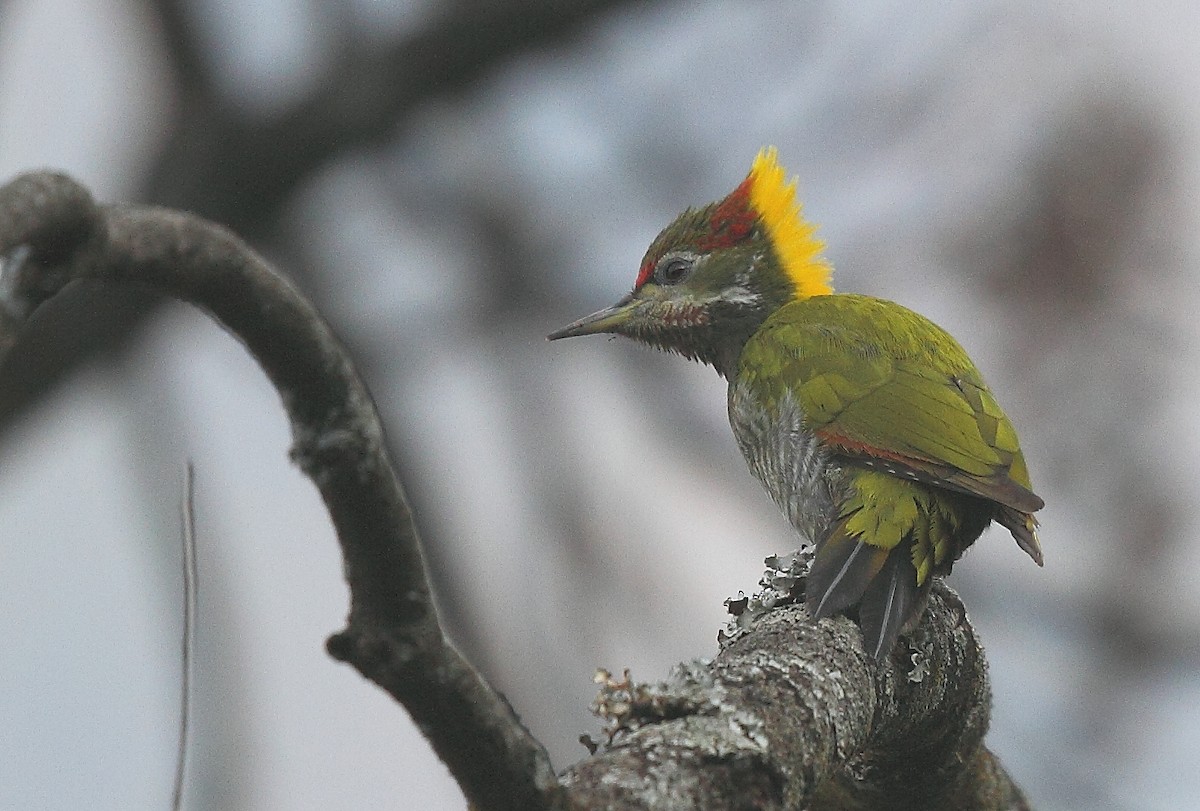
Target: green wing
column 890, row 390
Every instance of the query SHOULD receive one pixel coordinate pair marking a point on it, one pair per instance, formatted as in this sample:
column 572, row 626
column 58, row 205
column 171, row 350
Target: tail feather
column 841, row 571
column 890, row 602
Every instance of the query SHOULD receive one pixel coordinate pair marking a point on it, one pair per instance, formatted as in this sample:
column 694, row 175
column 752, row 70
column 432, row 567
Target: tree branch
column 392, row 635
column 790, row 714
column 227, row 164
column 232, row 166
column 795, row 714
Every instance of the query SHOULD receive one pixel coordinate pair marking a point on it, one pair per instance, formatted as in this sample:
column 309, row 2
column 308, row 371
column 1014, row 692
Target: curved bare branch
column 392, row 636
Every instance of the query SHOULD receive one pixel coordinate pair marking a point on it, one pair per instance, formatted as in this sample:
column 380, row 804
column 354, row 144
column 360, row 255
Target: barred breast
column 788, row 459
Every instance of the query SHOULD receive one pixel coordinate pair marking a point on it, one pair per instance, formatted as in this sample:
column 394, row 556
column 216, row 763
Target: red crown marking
column 731, row 221
column 729, row 224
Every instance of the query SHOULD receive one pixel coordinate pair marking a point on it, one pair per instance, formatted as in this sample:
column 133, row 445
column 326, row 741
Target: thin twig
column 191, row 593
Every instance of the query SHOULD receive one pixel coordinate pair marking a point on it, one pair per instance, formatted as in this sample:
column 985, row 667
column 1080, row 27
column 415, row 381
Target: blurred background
column 450, row 181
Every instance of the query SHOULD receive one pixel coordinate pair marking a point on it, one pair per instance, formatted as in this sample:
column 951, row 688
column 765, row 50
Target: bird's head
column 712, row 276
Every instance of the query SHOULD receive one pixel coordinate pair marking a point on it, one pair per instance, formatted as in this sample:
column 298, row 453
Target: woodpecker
column 868, row 425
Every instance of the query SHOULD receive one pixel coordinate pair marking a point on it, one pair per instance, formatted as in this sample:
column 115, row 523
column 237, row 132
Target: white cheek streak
column 743, row 277
column 739, row 295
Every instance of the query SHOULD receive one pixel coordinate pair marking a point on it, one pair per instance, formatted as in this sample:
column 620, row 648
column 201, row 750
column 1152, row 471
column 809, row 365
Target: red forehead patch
column 644, row 274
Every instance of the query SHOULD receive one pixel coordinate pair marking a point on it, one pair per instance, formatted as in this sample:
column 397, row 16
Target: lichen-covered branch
column 52, row 234
column 791, row 714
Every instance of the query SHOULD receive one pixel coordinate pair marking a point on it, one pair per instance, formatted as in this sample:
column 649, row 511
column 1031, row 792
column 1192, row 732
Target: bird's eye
column 673, row 270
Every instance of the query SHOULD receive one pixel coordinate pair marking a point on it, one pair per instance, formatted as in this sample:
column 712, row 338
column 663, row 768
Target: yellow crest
column 793, row 237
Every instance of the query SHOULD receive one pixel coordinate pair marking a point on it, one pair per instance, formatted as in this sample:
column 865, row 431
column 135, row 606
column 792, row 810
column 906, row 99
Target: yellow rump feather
column 793, row 237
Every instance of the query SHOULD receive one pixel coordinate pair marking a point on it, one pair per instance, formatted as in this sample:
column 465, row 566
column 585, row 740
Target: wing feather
column 885, row 387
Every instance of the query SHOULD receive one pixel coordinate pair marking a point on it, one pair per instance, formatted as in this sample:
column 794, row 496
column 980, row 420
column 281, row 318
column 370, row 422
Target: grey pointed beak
column 609, row 319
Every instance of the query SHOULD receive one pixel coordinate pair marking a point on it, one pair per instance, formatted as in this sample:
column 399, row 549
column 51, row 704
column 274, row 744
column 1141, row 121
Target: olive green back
column 887, row 388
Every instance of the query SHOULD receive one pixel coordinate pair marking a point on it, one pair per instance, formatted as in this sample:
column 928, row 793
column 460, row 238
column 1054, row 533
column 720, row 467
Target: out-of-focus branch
column 227, row 164
column 52, row 234
column 791, row 713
